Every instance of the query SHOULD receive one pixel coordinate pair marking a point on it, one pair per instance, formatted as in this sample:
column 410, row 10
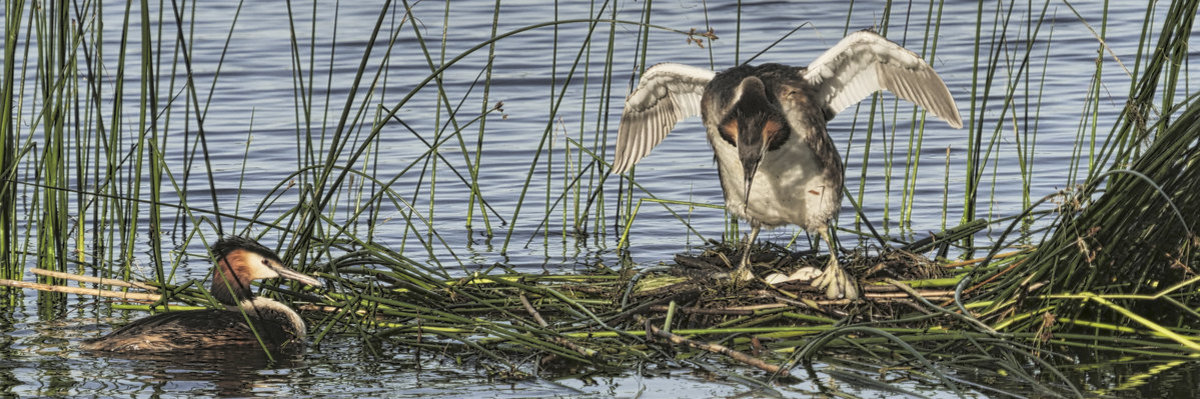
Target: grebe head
column 755, row 124
column 242, row 260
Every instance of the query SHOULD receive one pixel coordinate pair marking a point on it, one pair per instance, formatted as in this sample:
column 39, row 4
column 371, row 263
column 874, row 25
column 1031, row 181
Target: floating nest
column 700, row 287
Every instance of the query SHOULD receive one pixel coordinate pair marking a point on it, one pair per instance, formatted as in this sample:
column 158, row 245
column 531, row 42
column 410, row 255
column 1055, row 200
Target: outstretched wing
column 666, row 94
column 865, row 62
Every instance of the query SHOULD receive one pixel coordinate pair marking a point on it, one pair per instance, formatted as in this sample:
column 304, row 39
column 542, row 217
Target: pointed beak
column 750, row 169
column 288, row 273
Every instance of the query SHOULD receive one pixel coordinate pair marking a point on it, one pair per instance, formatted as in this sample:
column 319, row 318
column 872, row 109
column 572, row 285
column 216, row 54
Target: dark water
column 254, row 98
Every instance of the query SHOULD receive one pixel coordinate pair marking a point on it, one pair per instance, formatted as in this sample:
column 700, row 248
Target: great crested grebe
column 239, row 261
column 766, row 125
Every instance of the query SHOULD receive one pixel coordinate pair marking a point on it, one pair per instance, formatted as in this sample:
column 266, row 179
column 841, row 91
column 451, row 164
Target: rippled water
column 254, row 99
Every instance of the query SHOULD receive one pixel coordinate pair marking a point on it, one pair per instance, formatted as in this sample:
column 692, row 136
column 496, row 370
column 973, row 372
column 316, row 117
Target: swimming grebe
column 766, row 125
column 239, row 261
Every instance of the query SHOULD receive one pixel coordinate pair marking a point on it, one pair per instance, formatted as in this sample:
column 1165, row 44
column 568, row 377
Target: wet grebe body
column 239, row 261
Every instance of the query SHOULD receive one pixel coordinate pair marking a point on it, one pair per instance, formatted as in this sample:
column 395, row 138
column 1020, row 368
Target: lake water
column 255, row 97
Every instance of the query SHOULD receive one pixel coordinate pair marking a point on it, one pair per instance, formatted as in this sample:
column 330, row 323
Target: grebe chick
column 766, row 125
column 239, row 261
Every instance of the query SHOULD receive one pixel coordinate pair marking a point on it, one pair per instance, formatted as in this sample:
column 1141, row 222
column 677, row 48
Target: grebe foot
column 836, row 283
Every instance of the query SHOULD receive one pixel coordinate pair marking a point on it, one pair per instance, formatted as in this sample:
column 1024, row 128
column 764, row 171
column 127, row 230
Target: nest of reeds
column 700, row 287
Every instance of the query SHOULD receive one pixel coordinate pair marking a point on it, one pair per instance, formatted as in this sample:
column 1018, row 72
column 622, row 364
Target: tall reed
column 1129, row 230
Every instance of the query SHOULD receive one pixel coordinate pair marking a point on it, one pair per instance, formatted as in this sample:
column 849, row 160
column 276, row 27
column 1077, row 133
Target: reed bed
column 989, row 303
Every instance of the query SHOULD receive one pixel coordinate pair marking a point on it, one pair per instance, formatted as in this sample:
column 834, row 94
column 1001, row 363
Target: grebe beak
column 750, row 169
column 288, row 273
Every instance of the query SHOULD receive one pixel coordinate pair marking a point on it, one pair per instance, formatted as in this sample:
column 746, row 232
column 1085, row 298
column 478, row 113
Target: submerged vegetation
column 108, row 168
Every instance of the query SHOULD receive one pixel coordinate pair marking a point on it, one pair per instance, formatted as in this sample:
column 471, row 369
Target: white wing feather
column 666, row 94
column 865, row 62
